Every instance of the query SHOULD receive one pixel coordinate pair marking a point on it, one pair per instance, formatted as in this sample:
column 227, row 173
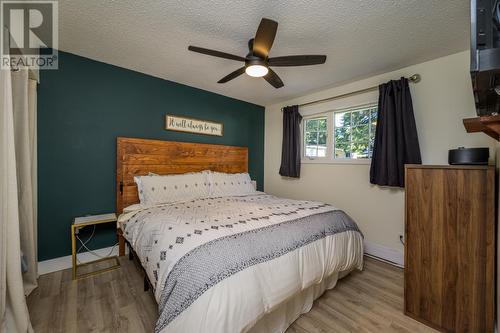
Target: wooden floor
column 367, row 301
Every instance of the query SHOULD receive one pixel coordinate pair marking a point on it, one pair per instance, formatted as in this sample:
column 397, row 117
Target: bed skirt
column 278, row 320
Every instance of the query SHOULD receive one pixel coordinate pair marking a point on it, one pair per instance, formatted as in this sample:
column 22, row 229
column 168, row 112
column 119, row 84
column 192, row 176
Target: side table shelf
column 81, row 222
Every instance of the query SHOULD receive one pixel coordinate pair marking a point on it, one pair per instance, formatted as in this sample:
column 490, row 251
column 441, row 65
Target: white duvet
column 265, row 296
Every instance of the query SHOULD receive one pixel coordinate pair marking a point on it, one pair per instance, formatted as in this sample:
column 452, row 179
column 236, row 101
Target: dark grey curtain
column 290, row 150
column 396, row 140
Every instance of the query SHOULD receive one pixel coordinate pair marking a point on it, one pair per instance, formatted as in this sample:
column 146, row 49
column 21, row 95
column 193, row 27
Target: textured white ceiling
column 360, row 38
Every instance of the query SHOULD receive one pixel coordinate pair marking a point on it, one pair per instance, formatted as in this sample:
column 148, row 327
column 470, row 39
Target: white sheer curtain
column 17, row 198
column 24, row 106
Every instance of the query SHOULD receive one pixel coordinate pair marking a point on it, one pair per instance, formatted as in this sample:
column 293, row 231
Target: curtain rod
column 415, row 78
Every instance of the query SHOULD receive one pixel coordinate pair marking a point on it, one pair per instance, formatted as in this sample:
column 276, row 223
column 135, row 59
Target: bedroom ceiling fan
column 257, row 61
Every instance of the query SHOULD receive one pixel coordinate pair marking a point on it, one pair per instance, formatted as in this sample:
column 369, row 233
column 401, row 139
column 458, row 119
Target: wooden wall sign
column 183, row 124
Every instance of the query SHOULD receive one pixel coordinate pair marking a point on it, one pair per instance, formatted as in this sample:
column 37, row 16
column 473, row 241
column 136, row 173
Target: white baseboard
column 385, row 253
column 58, row 264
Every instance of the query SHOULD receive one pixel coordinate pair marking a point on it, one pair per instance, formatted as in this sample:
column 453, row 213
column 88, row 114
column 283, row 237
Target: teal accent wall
column 83, row 106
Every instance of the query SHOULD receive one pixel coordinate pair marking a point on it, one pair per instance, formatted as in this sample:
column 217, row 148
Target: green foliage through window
column 354, row 133
column 315, row 135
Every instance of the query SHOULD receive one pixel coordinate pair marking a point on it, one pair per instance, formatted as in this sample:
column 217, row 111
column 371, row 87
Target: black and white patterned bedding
column 187, row 248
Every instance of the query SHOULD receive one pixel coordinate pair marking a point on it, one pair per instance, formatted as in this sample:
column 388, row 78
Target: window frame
column 330, row 125
column 303, row 132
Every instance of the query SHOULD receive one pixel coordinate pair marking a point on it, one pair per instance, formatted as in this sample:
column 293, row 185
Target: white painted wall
column 441, row 100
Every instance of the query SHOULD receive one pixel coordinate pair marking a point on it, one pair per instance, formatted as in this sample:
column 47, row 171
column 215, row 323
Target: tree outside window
column 315, row 134
column 354, row 133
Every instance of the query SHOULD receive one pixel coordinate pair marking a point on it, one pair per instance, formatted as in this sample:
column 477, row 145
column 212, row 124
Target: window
column 354, row 133
column 315, row 133
column 342, row 135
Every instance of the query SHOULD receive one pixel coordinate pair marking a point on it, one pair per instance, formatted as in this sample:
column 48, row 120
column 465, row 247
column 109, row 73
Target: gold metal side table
column 81, row 222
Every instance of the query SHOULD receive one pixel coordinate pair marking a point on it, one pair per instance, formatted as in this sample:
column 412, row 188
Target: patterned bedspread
column 189, row 247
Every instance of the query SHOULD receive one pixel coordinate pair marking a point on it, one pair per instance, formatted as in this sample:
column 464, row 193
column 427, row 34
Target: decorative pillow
column 172, row 188
column 230, row 184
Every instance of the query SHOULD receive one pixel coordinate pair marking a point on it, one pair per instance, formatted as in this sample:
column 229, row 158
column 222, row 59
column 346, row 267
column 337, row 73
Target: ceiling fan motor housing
column 252, row 60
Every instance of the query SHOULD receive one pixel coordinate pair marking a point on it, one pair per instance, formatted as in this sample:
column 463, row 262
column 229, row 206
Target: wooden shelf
column 488, row 124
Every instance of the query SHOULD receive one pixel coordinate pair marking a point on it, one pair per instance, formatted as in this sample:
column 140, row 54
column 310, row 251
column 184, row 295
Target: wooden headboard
column 138, row 157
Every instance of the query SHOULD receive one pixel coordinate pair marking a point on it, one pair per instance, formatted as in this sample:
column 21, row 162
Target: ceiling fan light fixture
column 256, row 70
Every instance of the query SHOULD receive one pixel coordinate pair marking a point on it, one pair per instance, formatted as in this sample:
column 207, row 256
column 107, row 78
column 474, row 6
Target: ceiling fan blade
column 232, row 75
column 273, row 79
column 297, row 60
column 214, row 53
column 264, row 37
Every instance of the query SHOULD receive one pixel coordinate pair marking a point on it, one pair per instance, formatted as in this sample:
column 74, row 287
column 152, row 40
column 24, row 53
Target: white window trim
column 329, row 158
column 329, row 143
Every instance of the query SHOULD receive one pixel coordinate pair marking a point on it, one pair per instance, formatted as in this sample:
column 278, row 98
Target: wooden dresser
column 450, row 247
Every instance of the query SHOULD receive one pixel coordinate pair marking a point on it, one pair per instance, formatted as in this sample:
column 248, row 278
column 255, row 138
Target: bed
column 250, row 262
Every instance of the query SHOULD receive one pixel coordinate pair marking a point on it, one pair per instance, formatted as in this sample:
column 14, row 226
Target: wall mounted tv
column 485, row 55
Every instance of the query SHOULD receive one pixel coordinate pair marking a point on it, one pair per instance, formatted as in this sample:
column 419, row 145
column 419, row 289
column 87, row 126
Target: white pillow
column 230, row 184
column 172, row 188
